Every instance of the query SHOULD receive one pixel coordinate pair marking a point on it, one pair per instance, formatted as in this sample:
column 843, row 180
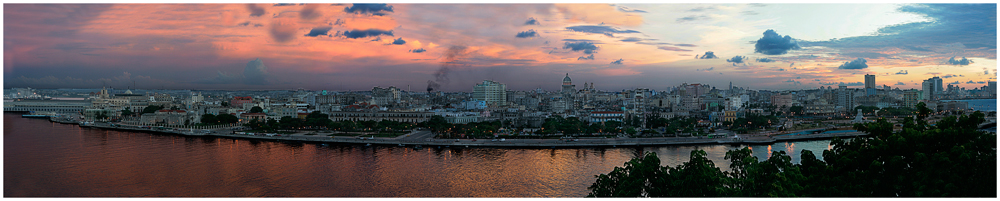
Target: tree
column 151, row 109
column 127, row 112
column 922, row 111
column 795, row 109
column 227, row 118
column 225, row 104
column 637, row 178
column 257, row 109
column 950, row 159
column 209, row 119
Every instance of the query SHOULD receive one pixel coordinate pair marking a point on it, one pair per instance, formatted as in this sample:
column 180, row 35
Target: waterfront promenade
column 425, row 138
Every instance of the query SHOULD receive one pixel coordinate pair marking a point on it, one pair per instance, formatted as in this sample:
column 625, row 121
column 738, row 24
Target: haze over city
column 450, row 47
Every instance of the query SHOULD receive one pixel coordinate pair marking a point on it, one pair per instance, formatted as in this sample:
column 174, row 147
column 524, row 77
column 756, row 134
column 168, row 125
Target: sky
column 451, row 47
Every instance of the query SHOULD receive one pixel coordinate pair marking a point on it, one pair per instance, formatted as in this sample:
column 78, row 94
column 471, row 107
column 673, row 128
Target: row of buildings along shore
column 490, row 101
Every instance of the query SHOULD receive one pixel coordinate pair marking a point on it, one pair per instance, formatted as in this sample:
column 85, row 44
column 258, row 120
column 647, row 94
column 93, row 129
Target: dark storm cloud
column 708, row 55
column 309, row 12
column 974, row 82
column 686, row 45
column 586, row 47
column 283, row 4
column 617, row 62
column 903, row 72
column 582, row 40
column 962, row 61
column 255, row 11
column 398, row 41
column 527, row 34
column 692, row 18
column 900, row 84
column 247, row 23
column 765, row 60
column 591, row 57
column 283, row 32
column 632, row 39
column 949, row 76
column 699, row 9
column 668, row 48
column 630, row 10
column 366, row 33
column 774, row 44
column 859, row 63
column 736, row 59
column 318, row 31
column 418, row 50
column 971, row 25
column 364, row 8
column 531, row 21
column 599, row 29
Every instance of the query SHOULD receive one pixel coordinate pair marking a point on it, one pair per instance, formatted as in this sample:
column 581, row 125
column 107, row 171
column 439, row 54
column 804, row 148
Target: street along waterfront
column 48, row 159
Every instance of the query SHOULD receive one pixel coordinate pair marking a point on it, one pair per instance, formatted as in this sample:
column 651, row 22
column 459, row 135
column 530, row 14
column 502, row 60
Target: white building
column 494, row 93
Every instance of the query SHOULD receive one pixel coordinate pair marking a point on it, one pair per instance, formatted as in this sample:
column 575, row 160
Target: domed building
column 567, row 86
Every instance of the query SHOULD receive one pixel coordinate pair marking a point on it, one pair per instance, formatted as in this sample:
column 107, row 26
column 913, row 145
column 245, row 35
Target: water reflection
column 50, row 161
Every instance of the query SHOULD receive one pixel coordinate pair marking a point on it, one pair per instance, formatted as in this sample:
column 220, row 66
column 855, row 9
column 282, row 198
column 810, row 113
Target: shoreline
column 487, row 143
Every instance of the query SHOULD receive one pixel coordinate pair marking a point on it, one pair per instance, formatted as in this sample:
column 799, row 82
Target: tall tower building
column 494, row 93
column 870, row 84
column 929, row 89
column 938, row 84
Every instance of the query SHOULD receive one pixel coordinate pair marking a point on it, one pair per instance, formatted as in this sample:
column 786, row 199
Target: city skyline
column 451, row 47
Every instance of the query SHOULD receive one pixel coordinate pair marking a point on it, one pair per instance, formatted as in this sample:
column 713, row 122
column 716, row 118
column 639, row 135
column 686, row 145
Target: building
column 239, row 101
column 407, row 117
column 68, row 106
column 782, row 100
column 845, row 98
column 910, row 98
column 168, row 117
column 869, row 84
column 992, row 87
column 930, row 89
column 247, row 117
column 604, row 116
column 492, row 92
column 567, row 85
column 385, row 96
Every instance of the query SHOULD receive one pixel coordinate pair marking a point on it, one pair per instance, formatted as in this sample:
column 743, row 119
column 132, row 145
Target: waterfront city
column 424, row 100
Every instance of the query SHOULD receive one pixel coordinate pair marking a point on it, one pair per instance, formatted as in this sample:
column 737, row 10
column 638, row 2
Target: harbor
column 424, row 138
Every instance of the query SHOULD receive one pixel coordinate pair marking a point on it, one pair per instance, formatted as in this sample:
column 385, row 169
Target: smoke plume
column 441, row 76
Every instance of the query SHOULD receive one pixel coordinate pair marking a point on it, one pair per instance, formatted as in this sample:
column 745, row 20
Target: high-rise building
column 992, row 87
column 938, row 84
column 493, row 93
column 845, row 98
column 929, row 89
column 910, row 98
column 870, row 84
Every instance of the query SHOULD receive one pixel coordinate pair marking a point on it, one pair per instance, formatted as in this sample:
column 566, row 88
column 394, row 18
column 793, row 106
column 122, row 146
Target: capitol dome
column 567, row 81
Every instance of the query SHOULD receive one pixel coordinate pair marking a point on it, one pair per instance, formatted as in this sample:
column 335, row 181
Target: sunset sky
column 526, row 46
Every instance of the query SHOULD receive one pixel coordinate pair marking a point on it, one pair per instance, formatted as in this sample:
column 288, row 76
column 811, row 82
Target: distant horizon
column 450, row 47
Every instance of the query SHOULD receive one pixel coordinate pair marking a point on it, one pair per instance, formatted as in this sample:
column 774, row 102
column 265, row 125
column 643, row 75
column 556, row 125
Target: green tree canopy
column 256, row 109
